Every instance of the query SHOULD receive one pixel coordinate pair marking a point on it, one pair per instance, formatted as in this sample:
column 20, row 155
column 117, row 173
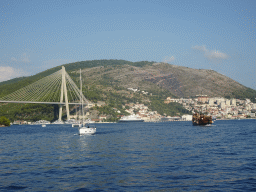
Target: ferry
column 131, row 118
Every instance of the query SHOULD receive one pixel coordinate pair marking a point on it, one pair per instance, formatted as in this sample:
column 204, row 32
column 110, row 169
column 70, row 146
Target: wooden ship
column 201, row 119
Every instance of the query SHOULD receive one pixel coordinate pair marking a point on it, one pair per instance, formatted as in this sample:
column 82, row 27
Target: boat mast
column 81, row 98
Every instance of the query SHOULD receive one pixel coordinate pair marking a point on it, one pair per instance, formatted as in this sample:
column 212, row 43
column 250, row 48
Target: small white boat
column 41, row 122
column 84, row 130
column 43, row 125
column 89, row 121
column 72, row 121
column 58, row 122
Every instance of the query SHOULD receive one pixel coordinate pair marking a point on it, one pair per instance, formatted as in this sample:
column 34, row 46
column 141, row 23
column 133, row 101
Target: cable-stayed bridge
column 57, row 88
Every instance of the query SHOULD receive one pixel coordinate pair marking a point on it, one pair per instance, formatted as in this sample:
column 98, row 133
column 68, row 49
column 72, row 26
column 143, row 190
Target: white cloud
column 8, row 73
column 211, row 54
column 169, row 59
column 216, row 55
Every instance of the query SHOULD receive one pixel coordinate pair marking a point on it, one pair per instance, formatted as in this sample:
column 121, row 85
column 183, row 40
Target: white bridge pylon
column 57, row 88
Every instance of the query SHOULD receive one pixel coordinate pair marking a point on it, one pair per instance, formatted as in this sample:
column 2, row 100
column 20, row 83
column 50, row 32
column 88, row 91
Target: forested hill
column 107, row 81
column 156, row 78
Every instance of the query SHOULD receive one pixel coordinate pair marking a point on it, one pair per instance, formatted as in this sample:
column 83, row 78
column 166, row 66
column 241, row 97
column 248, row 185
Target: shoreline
column 144, row 121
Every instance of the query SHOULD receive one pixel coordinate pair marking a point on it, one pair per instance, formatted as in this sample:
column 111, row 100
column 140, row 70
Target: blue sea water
column 169, row 156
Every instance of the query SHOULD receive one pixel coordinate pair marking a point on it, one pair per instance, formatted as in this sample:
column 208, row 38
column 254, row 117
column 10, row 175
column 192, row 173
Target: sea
column 163, row 156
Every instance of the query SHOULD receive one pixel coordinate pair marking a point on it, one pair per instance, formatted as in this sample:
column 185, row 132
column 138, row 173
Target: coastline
column 152, row 121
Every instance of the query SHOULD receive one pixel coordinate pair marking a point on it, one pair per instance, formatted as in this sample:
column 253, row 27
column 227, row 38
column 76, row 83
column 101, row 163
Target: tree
column 4, row 121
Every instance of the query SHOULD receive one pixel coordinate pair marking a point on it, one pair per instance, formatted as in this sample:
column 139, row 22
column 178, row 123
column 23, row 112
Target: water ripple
column 171, row 156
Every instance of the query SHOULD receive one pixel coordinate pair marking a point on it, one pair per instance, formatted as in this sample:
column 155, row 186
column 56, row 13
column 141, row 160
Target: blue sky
column 201, row 34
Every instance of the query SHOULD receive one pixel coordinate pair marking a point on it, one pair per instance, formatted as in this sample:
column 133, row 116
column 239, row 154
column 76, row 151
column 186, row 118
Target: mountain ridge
column 151, row 76
column 177, row 80
column 107, row 81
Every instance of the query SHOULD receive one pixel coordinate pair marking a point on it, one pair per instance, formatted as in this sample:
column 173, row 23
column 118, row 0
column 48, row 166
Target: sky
column 200, row 34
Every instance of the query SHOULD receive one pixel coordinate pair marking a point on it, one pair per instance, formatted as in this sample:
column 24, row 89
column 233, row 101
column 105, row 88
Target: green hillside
column 108, row 80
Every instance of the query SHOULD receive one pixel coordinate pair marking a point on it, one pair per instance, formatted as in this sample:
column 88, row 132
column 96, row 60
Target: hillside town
column 218, row 107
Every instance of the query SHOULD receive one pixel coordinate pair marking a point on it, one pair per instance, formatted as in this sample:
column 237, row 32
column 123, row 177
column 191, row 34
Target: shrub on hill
column 4, row 121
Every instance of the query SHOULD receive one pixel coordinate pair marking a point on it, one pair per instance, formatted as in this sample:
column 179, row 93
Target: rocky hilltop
column 156, row 78
column 177, row 80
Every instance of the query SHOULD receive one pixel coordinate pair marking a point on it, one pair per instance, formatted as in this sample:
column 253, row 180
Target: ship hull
column 130, row 118
column 129, row 121
column 201, row 119
column 86, row 130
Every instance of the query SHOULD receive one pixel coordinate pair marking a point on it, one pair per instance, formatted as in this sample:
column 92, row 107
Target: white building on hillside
column 186, row 117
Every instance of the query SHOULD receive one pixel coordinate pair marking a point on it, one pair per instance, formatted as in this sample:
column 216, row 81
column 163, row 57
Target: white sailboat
column 83, row 128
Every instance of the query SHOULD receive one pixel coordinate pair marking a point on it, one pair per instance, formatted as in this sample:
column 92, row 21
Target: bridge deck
column 35, row 102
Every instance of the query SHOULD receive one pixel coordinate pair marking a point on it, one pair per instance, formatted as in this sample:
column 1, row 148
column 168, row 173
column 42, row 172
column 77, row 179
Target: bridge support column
column 60, row 112
column 64, row 92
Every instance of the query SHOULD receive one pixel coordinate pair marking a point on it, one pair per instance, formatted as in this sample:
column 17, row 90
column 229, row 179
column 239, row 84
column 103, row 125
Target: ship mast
column 81, row 98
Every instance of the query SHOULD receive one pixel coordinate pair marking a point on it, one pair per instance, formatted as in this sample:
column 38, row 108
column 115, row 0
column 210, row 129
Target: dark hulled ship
column 201, row 119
